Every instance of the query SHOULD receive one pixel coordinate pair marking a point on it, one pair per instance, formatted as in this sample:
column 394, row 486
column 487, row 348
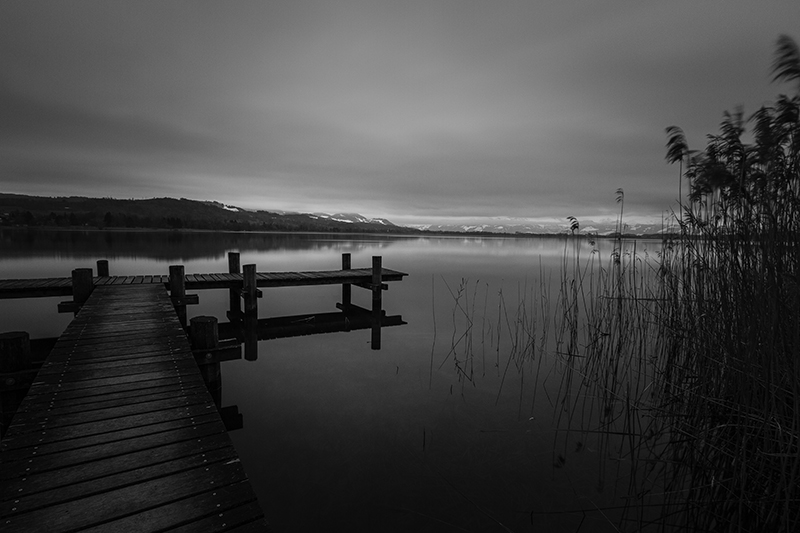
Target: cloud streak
column 413, row 110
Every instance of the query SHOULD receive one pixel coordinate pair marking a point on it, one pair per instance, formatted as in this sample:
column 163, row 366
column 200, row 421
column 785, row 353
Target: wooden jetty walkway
column 119, row 433
column 118, row 430
column 44, row 287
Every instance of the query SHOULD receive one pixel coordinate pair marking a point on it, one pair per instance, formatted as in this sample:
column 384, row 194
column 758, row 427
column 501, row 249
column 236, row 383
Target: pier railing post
column 346, row 287
column 204, row 332
column 102, row 268
column 235, row 308
column 177, row 290
column 82, row 285
column 204, row 335
column 250, row 289
column 15, row 356
column 377, row 301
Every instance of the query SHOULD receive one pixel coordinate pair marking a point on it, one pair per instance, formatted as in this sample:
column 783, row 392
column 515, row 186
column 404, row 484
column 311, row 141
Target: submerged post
column 377, row 301
column 102, row 268
column 250, row 289
column 235, row 308
column 346, row 287
column 177, row 290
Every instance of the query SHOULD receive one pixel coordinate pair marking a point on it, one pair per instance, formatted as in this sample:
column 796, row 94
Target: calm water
column 338, row 436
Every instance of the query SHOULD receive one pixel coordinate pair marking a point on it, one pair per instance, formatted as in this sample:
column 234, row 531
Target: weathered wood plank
column 81, row 464
column 247, row 516
column 119, row 432
column 105, row 431
column 36, row 499
column 175, row 514
column 200, row 483
column 45, row 422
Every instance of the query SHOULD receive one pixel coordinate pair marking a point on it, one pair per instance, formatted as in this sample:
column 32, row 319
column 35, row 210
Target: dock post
column 204, row 335
column 377, row 301
column 250, row 329
column 102, row 268
column 346, row 287
column 15, row 351
column 82, row 285
column 250, row 289
column 235, row 308
column 177, row 290
column 15, row 356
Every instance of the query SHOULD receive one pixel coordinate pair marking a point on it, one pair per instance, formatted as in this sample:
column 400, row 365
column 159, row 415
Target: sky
column 417, row 111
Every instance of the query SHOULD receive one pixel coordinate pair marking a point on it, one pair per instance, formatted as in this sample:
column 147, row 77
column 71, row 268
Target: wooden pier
column 119, row 433
column 118, row 430
column 44, row 287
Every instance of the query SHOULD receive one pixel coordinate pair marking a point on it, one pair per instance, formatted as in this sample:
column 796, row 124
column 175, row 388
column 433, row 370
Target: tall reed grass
column 682, row 370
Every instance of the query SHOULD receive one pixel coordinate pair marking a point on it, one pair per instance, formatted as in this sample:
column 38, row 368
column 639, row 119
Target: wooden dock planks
column 119, row 433
column 32, row 288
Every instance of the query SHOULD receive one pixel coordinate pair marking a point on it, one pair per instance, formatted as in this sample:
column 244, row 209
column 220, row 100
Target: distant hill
column 171, row 213
column 602, row 229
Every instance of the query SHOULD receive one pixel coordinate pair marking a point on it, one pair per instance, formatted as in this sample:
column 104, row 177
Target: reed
column 683, row 370
column 687, row 369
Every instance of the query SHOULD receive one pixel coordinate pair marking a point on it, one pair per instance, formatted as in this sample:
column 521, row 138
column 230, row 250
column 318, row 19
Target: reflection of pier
column 113, row 430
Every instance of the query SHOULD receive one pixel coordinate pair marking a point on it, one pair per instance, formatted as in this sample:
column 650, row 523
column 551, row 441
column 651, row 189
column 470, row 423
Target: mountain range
column 171, row 213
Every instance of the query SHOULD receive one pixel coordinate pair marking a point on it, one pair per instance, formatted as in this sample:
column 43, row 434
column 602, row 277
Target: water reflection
column 172, row 245
column 215, row 343
column 340, row 437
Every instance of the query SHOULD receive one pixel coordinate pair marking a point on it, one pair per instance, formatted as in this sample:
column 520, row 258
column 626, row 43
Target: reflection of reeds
column 682, row 372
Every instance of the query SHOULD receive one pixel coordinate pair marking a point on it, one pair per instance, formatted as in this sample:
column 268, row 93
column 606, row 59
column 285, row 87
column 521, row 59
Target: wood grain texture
column 118, row 431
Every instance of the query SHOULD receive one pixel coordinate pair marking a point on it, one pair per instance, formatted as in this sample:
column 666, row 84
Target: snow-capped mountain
column 587, row 227
column 351, row 218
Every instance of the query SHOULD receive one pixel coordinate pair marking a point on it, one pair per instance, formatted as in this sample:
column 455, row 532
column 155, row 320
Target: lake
column 442, row 429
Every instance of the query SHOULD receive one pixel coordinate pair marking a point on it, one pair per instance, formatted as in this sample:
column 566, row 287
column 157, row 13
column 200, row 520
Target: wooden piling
column 177, row 290
column 82, row 285
column 15, row 357
column 204, row 335
column 346, row 287
column 204, row 332
column 377, row 301
column 250, row 333
column 102, row 268
column 250, row 289
column 15, row 351
column 235, row 307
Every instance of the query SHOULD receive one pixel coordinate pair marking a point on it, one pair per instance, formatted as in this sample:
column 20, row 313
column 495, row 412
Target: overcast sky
column 412, row 110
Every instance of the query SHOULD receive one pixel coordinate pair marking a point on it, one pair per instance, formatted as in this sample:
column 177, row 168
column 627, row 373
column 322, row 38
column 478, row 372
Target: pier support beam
column 177, row 290
column 250, row 289
column 377, row 301
column 235, row 307
column 250, row 294
column 204, row 336
column 250, row 330
column 82, row 286
column 15, row 377
column 346, row 287
column 102, row 268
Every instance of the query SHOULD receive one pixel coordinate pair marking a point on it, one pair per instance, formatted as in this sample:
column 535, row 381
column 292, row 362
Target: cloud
column 388, row 108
